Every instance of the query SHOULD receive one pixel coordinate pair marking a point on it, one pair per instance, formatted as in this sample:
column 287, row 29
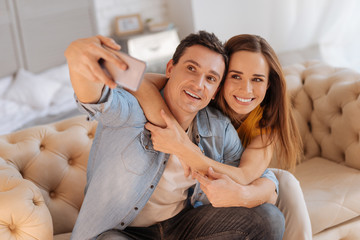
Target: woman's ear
column 169, row 67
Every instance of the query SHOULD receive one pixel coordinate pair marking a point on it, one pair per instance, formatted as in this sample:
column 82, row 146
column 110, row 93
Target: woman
column 254, row 97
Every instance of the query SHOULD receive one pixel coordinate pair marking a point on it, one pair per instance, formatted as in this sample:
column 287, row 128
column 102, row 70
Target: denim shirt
column 123, row 168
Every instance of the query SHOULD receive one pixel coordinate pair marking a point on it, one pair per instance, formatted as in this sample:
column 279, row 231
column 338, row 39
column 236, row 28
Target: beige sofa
column 43, row 169
column 327, row 104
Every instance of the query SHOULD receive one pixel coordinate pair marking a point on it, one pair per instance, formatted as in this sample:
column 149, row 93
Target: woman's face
column 246, row 81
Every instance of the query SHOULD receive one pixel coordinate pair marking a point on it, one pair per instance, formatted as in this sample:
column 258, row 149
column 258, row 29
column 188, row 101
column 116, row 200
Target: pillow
column 32, row 90
column 4, row 84
column 58, row 73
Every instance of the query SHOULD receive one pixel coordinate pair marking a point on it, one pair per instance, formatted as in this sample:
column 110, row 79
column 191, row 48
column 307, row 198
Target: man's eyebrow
column 198, row 65
column 256, row 74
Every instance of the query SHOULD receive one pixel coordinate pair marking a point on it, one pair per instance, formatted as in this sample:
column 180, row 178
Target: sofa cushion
column 331, row 192
column 54, row 158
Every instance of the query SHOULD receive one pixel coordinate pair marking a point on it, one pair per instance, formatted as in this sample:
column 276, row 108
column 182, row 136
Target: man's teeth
column 193, row 95
column 244, row 99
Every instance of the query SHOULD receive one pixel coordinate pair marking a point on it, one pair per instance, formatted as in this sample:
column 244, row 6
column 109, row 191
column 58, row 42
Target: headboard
column 35, row 33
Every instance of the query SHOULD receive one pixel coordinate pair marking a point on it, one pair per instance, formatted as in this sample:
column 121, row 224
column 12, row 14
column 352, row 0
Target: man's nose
column 200, row 81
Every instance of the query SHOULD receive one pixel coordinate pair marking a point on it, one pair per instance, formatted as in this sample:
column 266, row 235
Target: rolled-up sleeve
column 113, row 108
column 271, row 176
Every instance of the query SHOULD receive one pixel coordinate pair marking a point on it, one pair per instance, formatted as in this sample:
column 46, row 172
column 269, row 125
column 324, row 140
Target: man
column 135, row 192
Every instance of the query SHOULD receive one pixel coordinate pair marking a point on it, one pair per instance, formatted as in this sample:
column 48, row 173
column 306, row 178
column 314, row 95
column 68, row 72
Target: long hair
column 276, row 118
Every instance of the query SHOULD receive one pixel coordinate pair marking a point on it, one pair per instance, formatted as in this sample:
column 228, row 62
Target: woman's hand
column 171, row 139
column 221, row 190
column 83, row 57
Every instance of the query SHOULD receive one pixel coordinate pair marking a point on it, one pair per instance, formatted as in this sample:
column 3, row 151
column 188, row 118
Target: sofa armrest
column 23, row 212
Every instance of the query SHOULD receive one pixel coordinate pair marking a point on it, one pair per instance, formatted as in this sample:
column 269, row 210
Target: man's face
column 194, row 80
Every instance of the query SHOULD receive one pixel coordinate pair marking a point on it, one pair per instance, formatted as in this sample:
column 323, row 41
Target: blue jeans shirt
column 123, row 168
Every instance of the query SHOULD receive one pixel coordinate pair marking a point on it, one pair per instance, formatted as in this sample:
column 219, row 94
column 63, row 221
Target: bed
column 34, row 81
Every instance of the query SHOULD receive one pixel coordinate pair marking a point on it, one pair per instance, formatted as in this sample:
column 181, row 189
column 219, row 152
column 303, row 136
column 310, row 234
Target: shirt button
column 122, row 223
column 200, row 194
column 147, row 147
column 152, row 186
column 135, row 208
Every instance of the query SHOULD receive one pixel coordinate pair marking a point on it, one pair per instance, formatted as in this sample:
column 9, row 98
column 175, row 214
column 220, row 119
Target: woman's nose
column 246, row 85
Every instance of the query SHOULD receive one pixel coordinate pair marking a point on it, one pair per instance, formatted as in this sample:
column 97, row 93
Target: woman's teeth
column 244, row 99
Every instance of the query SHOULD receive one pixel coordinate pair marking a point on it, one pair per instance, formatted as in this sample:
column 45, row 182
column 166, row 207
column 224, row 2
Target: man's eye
column 191, row 68
column 211, row 78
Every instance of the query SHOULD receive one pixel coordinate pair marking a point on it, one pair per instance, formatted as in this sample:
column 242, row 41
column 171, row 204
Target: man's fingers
column 203, row 180
column 109, row 42
column 102, row 76
column 113, row 56
column 214, row 175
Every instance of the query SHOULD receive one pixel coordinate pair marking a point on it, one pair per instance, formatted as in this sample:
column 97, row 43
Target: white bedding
column 26, row 97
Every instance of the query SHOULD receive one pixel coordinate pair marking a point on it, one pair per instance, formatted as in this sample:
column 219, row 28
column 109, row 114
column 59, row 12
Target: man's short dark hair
column 203, row 38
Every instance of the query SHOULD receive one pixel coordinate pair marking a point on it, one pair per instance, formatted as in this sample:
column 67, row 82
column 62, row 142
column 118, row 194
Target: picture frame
column 128, row 24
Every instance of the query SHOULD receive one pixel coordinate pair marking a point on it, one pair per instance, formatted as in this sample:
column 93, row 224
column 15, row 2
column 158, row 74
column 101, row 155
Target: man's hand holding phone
column 129, row 78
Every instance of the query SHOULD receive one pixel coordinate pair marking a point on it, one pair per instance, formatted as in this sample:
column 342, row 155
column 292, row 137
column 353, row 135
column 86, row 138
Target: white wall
column 107, row 10
column 296, row 29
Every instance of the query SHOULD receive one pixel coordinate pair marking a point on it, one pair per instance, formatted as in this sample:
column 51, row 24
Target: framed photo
column 129, row 24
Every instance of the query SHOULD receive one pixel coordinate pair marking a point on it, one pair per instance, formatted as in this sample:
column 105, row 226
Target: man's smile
column 192, row 95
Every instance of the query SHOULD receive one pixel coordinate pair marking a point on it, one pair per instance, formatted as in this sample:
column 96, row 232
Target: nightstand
column 155, row 48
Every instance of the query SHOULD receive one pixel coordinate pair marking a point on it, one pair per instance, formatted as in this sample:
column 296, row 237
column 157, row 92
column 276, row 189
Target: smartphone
column 130, row 78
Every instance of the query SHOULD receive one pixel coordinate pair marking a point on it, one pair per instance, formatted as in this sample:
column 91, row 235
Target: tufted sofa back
column 326, row 100
column 54, row 158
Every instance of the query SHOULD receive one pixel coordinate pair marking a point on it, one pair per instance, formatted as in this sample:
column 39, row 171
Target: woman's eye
column 258, row 80
column 235, row 76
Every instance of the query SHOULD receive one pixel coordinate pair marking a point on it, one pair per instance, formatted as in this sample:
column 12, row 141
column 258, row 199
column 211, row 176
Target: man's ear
column 169, row 67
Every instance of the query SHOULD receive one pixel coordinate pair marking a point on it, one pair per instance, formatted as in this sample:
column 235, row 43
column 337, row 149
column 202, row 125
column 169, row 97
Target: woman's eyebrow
column 240, row 72
column 235, row 71
column 259, row 75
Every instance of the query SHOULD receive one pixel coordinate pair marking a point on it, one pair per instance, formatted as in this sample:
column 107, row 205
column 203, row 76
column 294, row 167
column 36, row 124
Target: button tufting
column 90, row 135
column 70, row 161
column 12, row 227
column 52, row 194
column 42, row 147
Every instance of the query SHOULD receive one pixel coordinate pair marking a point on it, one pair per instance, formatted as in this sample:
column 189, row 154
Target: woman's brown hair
column 277, row 118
